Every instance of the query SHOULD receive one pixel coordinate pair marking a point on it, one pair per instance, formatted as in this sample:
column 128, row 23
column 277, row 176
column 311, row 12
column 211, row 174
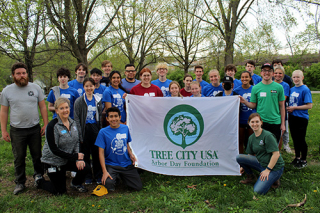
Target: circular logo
column 183, row 125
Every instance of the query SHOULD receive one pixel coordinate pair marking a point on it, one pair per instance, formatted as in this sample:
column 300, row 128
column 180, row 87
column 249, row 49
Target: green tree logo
column 186, row 121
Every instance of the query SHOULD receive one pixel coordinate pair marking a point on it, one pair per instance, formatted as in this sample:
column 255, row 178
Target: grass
column 171, row 194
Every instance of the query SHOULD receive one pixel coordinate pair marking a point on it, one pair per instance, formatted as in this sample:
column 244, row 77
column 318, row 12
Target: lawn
column 177, row 194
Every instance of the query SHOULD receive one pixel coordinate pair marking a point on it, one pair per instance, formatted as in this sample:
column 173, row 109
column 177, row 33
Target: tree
column 226, row 16
column 138, row 23
column 183, row 125
column 183, row 32
column 77, row 20
column 22, row 31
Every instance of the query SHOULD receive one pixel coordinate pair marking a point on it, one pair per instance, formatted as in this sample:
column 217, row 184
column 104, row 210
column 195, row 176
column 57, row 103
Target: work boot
column 250, row 178
column 276, row 184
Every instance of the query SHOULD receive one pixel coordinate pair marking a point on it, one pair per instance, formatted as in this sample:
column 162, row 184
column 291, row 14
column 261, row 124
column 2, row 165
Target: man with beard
column 23, row 98
column 129, row 81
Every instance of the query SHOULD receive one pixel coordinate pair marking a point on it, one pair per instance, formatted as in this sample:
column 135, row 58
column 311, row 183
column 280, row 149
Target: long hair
column 110, row 77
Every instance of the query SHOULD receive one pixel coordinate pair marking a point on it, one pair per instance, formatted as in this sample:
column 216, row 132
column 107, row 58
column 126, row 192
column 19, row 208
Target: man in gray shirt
column 23, row 98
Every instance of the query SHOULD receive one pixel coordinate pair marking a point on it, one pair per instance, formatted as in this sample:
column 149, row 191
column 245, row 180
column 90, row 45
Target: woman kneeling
column 61, row 152
column 267, row 159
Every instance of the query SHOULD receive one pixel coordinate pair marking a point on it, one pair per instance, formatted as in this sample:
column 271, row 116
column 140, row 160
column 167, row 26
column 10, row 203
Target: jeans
column 57, row 183
column 249, row 162
column 128, row 174
column 20, row 139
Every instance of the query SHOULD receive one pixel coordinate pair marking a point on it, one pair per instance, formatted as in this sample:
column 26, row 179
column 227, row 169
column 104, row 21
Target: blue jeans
column 249, row 162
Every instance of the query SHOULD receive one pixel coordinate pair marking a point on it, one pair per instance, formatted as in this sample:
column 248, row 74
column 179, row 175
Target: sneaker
column 88, row 182
column 301, row 164
column 37, row 181
column 98, row 181
column 287, row 148
column 19, row 188
column 295, row 161
column 78, row 188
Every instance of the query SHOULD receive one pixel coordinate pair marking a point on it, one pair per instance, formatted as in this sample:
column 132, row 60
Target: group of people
column 89, row 119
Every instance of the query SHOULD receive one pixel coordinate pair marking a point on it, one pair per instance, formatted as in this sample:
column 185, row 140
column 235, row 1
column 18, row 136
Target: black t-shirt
column 105, row 81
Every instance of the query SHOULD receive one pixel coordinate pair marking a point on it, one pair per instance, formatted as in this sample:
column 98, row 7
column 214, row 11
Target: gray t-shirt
column 23, row 103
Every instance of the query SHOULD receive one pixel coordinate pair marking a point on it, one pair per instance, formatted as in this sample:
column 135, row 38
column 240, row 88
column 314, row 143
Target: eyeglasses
column 162, row 69
column 131, row 70
column 263, row 70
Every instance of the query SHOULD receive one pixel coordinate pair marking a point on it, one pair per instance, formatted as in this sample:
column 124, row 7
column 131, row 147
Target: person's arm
column 302, row 107
column 283, row 116
column 105, row 173
column 51, row 107
column 52, row 138
column 44, row 114
column 247, row 103
column 131, row 155
column 273, row 160
column 4, row 121
column 107, row 105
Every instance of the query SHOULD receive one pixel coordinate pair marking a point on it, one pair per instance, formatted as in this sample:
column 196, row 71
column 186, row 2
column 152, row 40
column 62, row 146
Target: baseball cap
column 267, row 65
column 100, row 190
column 227, row 79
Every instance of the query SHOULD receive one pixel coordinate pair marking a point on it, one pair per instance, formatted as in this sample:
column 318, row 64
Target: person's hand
column 43, row 130
column 80, row 165
column 241, row 170
column 133, row 158
column 283, row 128
column 264, row 174
column 124, row 95
column 6, row 136
column 290, row 109
column 80, row 156
column 105, row 176
column 242, row 99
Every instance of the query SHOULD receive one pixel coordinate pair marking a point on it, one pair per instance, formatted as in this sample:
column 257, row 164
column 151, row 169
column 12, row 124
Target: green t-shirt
column 263, row 146
column 267, row 97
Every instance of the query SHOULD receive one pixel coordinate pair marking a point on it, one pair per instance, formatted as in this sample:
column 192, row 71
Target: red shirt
column 153, row 90
column 184, row 93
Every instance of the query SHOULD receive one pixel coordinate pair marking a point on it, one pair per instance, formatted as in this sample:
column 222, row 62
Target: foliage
column 312, row 76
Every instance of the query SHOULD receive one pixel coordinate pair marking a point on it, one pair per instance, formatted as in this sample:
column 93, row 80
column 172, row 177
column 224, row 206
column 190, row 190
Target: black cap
column 96, row 70
column 267, row 65
column 227, row 79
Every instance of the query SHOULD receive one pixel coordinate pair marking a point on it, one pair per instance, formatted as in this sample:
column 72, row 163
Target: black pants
column 298, row 130
column 91, row 133
column 274, row 129
column 20, row 139
column 128, row 174
column 57, row 183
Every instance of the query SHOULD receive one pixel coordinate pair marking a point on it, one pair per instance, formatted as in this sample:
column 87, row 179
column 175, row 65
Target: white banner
column 185, row 136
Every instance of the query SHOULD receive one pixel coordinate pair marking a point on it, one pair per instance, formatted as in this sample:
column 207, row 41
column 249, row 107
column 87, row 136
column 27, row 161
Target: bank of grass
column 171, row 194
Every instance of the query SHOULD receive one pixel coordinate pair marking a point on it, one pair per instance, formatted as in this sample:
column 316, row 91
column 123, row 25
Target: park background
column 47, row 35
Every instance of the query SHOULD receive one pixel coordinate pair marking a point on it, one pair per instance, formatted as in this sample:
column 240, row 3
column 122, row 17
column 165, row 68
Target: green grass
column 171, row 194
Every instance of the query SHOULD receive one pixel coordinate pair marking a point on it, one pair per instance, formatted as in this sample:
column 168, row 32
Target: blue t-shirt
column 91, row 111
column 198, row 97
column 164, row 86
column 211, row 91
column 256, row 79
column 245, row 111
column 114, row 142
column 78, row 86
column 203, row 84
column 286, row 88
column 69, row 93
column 114, row 96
column 128, row 85
column 300, row 96
column 236, row 83
column 99, row 91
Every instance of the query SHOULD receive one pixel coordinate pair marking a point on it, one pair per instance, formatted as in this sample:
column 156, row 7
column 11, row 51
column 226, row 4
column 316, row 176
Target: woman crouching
column 267, row 159
column 61, row 152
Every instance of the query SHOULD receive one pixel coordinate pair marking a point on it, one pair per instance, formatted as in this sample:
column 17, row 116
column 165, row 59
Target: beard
column 21, row 82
